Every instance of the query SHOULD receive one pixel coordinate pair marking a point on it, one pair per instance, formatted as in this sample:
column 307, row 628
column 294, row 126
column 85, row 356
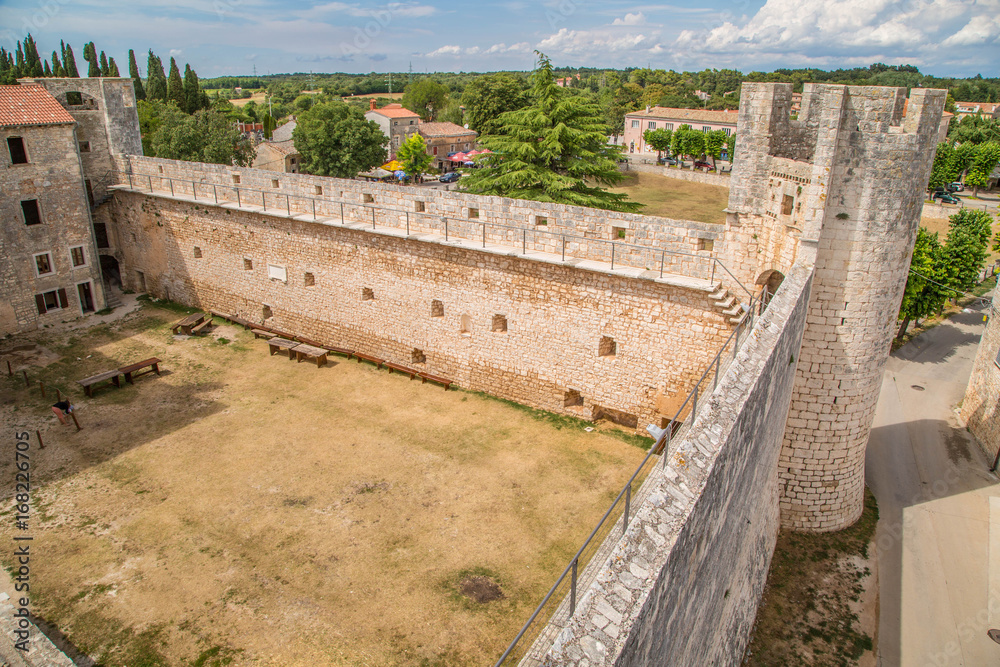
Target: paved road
column 937, row 504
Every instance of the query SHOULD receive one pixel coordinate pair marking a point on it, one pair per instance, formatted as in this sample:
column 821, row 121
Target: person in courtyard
column 62, row 408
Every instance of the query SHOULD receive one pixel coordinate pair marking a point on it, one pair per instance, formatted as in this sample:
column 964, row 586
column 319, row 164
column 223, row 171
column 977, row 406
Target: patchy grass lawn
column 242, row 509
column 674, row 198
column 815, row 607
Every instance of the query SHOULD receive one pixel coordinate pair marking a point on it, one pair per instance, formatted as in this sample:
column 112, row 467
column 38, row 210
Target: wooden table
column 305, row 351
column 278, row 344
column 88, row 383
column 189, row 322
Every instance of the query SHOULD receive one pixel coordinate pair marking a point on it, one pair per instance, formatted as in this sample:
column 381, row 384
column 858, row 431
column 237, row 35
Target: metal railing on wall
column 556, row 244
column 561, row 599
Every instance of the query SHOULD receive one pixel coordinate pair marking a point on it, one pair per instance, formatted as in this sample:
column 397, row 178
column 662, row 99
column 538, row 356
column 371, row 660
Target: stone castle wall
column 979, row 409
column 555, row 316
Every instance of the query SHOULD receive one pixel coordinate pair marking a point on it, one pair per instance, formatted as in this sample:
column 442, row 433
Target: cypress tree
column 191, row 90
column 156, row 82
column 105, row 70
column 57, row 68
column 19, row 62
column 32, row 63
column 113, row 68
column 90, row 55
column 6, row 68
column 46, row 70
column 175, row 86
column 69, row 63
column 133, row 71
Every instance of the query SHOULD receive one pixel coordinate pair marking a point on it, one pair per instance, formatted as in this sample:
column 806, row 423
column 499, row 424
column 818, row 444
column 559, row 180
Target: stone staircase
column 112, row 297
column 730, row 306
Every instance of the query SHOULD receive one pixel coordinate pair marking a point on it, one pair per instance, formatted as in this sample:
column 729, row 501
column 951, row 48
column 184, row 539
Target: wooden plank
column 342, row 351
column 364, row 357
column 260, row 333
column 400, row 369
column 427, row 377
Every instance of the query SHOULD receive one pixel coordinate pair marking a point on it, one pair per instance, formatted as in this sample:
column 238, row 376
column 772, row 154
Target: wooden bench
column 400, row 369
column 427, row 377
column 304, row 351
column 307, row 341
column 221, row 316
column 153, row 364
column 88, row 383
column 185, row 325
column 198, row 328
column 260, row 333
column 278, row 344
column 243, row 323
column 364, row 357
column 340, row 350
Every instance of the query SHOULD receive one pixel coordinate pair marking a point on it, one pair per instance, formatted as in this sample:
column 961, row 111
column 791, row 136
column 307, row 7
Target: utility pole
column 389, row 79
column 410, row 78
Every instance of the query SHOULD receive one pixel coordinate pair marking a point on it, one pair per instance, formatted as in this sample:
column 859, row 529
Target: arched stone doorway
column 769, row 282
column 111, row 271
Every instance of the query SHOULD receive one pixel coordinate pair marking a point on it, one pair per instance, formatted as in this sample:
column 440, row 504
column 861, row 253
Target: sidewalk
column 938, row 537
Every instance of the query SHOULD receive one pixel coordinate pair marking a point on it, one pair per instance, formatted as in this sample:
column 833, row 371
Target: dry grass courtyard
column 242, row 509
column 674, row 198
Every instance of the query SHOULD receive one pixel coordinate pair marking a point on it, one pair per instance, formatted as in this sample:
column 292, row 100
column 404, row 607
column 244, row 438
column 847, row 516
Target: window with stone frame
column 32, row 215
column 43, row 264
column 78, row 256
column 52, row 300
column 15, row 146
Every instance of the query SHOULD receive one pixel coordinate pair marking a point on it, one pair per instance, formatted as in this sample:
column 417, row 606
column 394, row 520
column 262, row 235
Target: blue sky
column 219, row 37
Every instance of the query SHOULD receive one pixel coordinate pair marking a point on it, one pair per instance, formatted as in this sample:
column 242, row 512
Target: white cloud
column 631, row 19
column 595, row 42
column 520, row 47
column 450, row 50
column 176, row 52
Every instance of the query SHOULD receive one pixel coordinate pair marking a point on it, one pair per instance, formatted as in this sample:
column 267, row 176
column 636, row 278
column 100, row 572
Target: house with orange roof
column 397, row 122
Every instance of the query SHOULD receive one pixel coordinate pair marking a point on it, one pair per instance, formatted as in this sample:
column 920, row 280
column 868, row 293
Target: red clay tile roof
column 30, row 104
column 691, row 115
column 444, row 129
column 394, row 111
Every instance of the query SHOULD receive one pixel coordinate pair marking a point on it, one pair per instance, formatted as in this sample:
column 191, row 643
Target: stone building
column 445, row 138
column 50, row 269
column 278, row 156
column 397, row 124
column 982, row 398
column 664, row 118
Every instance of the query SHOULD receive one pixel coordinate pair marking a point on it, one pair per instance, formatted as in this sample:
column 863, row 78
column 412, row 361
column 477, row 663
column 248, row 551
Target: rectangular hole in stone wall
column 367, row 294
column 84, row 146
column 607, row 347
column 539, row 220
column 267, row 313
column 437, row 308
column 309, row 279
column 141, row 277
column 74, row 98
column 32, row 215
column 617, row 416
column 368, row 199
column 787, row 204
column 473, row 213
column 275, row 183
column 160, row 167
column 247, row 264
column 418, row 357
column 465, row 325
column 197, row 252
column 572, row 398
column 706, row 244
column 617, row 233
column 15, row 145
column 236, row 179
column 318, row 189
column 499, row 323
column 419, row 207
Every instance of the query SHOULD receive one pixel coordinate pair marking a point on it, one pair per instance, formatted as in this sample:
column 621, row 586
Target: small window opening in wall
column 787, row 204
column 419, row 207
column 572, row 398
column 160, row 168
column 84, row 146
column 78, row 256
column 706, row 244
column 74, row 98
column 236, row 179
column 367, row 294
column 437, row 308
column 53, row 300
column 247, row 264
column 465, row 325
column 275, row 183
column 368, row 199
column 540, row 220
column 43, row 264
column 32, row 216
column 15, row 145
column 473, row 212
column 499, row 323
column 197, row 252
column 418, row 356
column 319, row 189
column 309, row 279
column 142, row 281
column 608, row 347
column 267, row 312
column 617, row 232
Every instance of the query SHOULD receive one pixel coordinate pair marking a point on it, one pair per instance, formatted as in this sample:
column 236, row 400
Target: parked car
column 955, row 187
column 450, row 177
column 667, row 160
column 700, row 164
column 946, row 198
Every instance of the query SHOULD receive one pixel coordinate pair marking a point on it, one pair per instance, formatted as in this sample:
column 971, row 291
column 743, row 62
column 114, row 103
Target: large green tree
column 426, row 97
column 192, row 90
column 69, row 61
column 489, row 96
column 206, row 136
column 966, row 248
column 658, row 140
column 925, row 292
column 554, row 150
column 133, row 71
column 714, row 142
column 413, row 156
column 175, row 86
column 90, row 55
column 984, row 161
column 156, row 81
column 334, row 139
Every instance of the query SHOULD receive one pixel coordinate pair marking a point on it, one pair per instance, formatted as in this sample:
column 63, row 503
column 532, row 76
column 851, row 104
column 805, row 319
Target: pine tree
column 33, row 64
column 69, row 63
column 113, row 68
column 191, row 90
column 46, row 70
column 57, row 68
column 90, row 55
column 105, row 70
column 156, row 82
column 554, row 150
column 19, row 62
column 133, row 71
column 175, row 86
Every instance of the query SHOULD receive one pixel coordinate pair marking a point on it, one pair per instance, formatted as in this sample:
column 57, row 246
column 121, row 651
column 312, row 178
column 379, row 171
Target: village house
column 445, row 138
column 637, row 122
column 397, row 123
column 987, row 109
column 278, row 156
